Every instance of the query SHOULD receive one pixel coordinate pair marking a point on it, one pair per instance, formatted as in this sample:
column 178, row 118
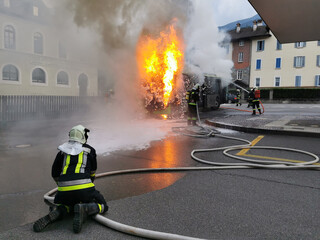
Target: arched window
column 38, row 76
column 10, row 73
column 9, row 37
column 63, row 78
column 38, row 43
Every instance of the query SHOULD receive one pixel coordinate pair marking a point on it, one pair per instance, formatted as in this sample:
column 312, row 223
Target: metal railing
column 16, row 108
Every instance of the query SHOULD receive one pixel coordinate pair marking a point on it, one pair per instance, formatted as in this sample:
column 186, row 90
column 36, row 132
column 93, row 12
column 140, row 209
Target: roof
column 24, row 9
column 290, row 20
column 248, row 22
column 248, row 33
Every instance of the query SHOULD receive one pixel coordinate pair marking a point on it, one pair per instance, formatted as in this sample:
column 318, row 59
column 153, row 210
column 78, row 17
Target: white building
column 284, row 65
column 269, row 63
column 33, row 58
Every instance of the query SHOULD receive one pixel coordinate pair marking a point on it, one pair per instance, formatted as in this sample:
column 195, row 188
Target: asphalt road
column 224, row 204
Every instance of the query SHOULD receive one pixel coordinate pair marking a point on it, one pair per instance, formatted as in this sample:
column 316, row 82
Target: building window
column 298, row 81
column 38, row 76
column 241, row 43
column 62, row 51
column 318, row 43
column 260, row 45
column 227, row 47
column 35, row 11
column 258, row 82
column 10, row 73
column 63, row 78
column 7, row 3
column 300, row 44
column 38, row 43
column 258, row 64
column 279, row 45
column 277, row 81
column 240, row 57
column 317, row 81
column 239, row 75
column 278, row 63
column 318, row 61
column 9, row 37
column 299, row 61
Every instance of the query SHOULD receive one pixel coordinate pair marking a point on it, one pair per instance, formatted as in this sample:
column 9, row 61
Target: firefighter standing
column 254, row 96
column 74, row 171
column 192, row 97
column 238, row 98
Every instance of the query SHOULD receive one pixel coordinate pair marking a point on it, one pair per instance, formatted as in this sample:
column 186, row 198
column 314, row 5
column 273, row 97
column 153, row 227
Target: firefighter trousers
column 87, row 195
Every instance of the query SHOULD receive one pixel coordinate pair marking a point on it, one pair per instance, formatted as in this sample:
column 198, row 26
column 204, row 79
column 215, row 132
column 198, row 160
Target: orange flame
column 160, row 61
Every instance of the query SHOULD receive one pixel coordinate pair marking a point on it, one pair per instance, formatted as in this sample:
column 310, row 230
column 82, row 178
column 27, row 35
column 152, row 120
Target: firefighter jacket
column 251, row 95
column 74, row 166
column 193, row 97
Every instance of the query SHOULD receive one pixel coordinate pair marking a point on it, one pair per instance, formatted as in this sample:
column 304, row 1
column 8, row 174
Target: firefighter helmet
column 79, row 134
column 196, row 87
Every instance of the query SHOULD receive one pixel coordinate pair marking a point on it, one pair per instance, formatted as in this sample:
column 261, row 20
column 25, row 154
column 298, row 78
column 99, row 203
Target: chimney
column 254, row 27
column 238, row 27
column 259, row 23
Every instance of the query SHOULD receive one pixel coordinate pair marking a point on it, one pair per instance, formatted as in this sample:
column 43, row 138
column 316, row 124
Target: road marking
column 244, row 151
column 277, row 159
column 254, row 142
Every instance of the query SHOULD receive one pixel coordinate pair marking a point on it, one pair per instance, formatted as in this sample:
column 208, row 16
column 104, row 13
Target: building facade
column 261, row 61
column 285, row 65
column 33, row 60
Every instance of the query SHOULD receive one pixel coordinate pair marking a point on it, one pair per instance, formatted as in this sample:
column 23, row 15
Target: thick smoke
column 119, row 25
column 204, row 55
column 120, row 22
column 114, row 27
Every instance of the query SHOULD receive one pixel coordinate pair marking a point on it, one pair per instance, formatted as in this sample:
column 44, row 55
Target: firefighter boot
column 254, row 112
column 81, row 212
column 56, row 214
column 189, row 122
column 193, row 122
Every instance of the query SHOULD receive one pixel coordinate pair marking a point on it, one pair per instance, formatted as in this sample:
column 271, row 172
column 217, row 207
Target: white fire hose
column 253, row 163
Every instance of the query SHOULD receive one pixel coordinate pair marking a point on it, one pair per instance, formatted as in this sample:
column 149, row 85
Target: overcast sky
column 227, row 11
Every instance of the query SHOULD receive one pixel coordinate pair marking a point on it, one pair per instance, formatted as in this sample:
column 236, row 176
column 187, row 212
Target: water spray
column 240, row 87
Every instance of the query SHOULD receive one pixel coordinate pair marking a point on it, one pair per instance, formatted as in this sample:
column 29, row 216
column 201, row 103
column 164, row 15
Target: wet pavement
column 287, row 119
column 246, row 204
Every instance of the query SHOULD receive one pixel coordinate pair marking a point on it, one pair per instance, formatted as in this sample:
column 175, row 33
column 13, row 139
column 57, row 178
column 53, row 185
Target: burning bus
column 212, row 92
column 160, row 59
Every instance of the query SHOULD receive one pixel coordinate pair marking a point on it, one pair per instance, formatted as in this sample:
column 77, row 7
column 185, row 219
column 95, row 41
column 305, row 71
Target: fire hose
column 248, row 163
column 244, row 110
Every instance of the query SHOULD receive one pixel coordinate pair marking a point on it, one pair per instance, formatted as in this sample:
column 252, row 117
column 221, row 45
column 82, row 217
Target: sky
column 226, row 11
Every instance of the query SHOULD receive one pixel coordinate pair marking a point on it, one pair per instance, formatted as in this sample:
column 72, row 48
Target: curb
column 263, row 130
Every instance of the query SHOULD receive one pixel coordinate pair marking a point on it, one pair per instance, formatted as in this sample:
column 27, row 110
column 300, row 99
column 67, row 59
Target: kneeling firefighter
column 74, row 171
column 192, row 97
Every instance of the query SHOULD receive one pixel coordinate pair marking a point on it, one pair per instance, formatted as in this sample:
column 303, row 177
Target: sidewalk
column 240, row 119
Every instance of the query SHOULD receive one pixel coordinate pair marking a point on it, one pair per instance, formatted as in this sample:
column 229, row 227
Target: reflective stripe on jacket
column 74, row 170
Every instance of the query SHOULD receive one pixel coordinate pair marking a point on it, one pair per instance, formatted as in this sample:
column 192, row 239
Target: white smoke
column 117, row 25
column 204, row 53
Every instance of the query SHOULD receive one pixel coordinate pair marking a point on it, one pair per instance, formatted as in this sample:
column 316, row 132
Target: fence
column 15, row 108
